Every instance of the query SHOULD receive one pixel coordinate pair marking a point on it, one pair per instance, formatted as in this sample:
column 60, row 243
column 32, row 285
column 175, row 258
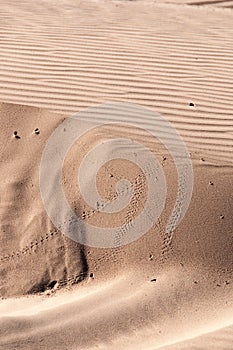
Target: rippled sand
column 158, row 292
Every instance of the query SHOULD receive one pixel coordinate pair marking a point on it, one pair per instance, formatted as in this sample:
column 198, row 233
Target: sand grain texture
column 63, row 57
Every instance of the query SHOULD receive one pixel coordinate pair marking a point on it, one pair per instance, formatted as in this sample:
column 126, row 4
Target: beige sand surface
column 64, row 56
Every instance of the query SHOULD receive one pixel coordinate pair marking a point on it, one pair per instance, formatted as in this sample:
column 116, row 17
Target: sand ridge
column 169, row 57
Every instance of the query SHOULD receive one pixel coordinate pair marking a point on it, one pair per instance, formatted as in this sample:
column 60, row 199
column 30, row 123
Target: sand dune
column 121, row 313
column 162, row 56
column 215, row 3
column 220, row 339
column 159, row 292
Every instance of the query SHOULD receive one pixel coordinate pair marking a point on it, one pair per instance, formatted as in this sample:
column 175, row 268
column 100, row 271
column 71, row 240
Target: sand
column 161, row 291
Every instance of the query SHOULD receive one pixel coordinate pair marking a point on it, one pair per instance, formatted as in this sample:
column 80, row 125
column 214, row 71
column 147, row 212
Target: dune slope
column 161, row 291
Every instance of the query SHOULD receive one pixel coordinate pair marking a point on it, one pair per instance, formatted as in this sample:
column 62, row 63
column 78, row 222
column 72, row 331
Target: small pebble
column 153, row 280
column 222, row 217
column 16, row 136
column 191, row 104
column 36, row 131
column 211, row 183
column 92, row 275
